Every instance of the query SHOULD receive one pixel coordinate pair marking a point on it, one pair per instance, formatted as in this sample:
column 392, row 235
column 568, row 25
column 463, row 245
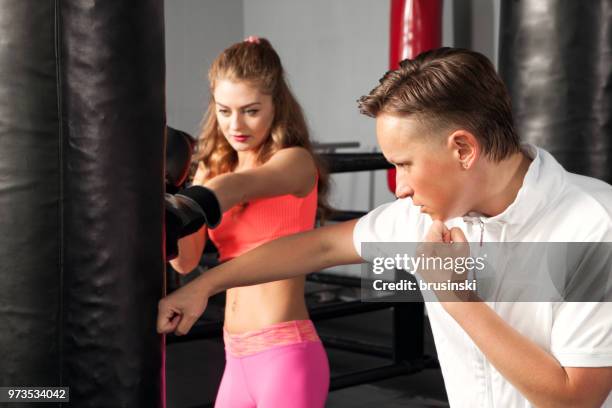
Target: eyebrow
column 242, row 107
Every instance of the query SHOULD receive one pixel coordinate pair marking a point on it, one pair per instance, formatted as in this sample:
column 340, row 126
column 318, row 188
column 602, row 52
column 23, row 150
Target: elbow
column 586, row 400
column 574, row 400
column 590, row 391
column 183, row 267
column 189, row 253
column 573, row 403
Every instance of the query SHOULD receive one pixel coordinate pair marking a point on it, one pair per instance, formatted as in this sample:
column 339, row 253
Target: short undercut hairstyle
column 450, row 87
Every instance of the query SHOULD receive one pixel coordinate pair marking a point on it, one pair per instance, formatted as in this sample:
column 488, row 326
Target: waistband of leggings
column 279, row 334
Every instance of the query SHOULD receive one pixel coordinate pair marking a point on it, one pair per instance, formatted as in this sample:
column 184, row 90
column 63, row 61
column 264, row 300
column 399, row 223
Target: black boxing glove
column 195, row 206
column 186, row 212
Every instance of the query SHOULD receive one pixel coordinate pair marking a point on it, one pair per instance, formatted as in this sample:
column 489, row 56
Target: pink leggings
column 289, row 374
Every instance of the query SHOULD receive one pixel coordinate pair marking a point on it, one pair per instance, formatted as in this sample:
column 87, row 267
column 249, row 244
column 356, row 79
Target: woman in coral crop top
column 255, row 154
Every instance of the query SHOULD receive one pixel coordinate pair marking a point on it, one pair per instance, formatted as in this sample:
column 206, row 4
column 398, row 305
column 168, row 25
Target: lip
column 241, row 138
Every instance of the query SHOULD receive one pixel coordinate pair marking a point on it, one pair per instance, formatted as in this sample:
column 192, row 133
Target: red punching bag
column 415, row 26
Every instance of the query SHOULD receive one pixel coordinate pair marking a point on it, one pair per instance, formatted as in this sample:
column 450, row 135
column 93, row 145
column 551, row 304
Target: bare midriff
column 255, row 307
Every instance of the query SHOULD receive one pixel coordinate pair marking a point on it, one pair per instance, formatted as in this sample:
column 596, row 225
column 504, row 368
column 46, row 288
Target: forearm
column 289, row 171
column 284, row 258
column 534, row 372
column 273, row 261
column 189, row 252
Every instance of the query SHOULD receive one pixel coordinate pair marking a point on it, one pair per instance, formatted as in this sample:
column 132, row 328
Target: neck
column 246, row 160
column 502, row 183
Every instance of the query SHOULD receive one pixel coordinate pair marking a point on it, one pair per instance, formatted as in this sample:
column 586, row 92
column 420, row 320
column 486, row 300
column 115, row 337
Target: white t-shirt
column 551, row 206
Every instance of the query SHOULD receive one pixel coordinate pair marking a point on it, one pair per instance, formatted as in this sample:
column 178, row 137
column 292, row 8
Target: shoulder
column 585, row 192
column 294, row 155
column 592, row 192
column 578, row 208
column 297, row 166
column 589, row 200
column 201, row 174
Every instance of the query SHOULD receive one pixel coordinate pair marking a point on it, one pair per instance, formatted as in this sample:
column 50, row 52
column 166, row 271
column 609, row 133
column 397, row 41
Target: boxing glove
column 186, row 212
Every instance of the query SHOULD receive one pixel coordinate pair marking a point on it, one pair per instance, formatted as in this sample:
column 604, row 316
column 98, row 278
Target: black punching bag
column 556, row 58
column 82, row 122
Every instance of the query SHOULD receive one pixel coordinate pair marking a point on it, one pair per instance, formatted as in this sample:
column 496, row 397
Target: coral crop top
column 263, row 220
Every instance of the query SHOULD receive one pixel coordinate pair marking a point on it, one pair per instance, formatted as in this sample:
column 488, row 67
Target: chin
column 435, row 216
column 427, row 210
column 240, row 147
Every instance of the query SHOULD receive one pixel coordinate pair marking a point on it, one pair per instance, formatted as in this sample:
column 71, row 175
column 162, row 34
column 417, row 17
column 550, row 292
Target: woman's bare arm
column 283, row 258
column 289, row 171
column 191, row 246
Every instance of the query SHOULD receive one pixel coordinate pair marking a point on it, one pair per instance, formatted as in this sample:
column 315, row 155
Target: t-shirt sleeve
column 399, row 221
column 582, row 334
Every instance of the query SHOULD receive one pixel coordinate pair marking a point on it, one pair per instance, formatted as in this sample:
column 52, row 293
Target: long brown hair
column 258, row 64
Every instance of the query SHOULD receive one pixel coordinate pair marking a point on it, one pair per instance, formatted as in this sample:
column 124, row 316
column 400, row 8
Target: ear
column 465, row 148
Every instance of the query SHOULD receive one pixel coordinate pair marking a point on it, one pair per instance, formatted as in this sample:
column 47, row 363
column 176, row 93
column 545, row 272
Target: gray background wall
column 196, row 31
column 333, row 51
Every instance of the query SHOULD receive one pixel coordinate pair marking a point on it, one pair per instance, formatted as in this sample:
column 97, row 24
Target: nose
column 236, row 122
column 402, row 188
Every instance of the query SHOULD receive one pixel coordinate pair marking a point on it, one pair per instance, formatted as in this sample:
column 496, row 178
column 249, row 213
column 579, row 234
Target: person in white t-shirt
column 444, row 120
